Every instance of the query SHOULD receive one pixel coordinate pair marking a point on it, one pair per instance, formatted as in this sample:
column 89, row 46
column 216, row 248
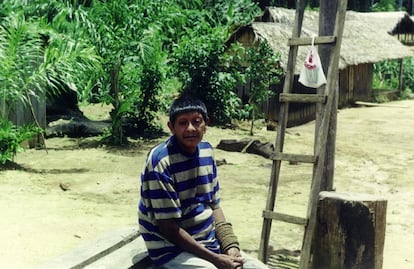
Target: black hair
column 186, row 103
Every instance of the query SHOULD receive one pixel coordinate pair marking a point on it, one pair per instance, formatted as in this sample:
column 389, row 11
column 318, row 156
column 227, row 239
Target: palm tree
column 21, row 50
column 36, row 57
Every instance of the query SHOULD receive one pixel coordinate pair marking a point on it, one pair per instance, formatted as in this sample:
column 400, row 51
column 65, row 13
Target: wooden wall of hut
column 298, row 113
column 355, row 84
column 22, row 114
column 407, row 39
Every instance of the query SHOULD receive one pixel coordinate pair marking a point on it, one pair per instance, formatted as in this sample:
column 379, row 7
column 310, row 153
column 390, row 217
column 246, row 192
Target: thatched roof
column 398, row 22
column 366, row 37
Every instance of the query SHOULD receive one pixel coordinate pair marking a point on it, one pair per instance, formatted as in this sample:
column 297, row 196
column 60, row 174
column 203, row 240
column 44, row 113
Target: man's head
column 188, row 120
column 186, row 103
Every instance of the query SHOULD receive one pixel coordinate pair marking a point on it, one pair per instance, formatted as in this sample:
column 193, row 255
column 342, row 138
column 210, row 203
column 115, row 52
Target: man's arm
column 218, row 215
column 182, row 239
column 218, row 219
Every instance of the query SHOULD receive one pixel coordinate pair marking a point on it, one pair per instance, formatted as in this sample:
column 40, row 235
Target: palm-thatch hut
column 366, row 40
column 403, row 26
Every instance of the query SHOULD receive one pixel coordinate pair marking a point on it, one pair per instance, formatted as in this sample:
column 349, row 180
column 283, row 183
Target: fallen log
column 247, row 145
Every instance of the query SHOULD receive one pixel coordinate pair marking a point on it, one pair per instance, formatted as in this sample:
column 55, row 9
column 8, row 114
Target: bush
column 263, row 71
column 11, row 137
column 386, row 74
column 203, row 68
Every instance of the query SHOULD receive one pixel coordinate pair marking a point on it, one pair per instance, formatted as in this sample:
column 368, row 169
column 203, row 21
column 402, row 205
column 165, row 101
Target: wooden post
column 327, row 17
column 324, row 136
column 401, row 77
column 350, row 232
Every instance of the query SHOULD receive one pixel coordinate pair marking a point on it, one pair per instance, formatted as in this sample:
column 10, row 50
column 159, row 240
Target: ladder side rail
column 284, row 108
column 305, row 261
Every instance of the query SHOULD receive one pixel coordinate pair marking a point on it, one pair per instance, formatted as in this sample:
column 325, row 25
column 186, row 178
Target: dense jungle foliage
column 135, row 55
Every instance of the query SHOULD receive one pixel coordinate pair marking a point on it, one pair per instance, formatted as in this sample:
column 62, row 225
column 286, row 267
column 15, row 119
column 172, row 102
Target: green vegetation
column 11, row 137
column 131, row 53
column 384, row 5
column 263, row 71
column 135, row 55
column 205, row 71
column 387, row 77
column 38, row 56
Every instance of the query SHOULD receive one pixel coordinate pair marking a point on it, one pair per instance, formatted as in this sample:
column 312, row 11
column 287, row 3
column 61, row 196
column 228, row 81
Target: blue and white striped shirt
column 175, row 185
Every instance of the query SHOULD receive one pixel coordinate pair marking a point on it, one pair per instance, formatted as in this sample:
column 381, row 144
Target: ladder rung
column 279, row 156
column 284, row 217
column 302, row 98
column 307, row 41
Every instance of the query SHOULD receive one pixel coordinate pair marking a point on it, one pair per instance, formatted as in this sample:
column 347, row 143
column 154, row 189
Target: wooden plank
column 125, row 257
column 361, row 103
column 92, row 251
column 307, row 41
column 302, row 98
column 279, row 156
column 284, row 217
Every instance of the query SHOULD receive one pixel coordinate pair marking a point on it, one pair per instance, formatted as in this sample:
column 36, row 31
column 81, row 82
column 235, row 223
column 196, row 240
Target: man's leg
column 186, row 261
column 252, row 263
column 189, row 261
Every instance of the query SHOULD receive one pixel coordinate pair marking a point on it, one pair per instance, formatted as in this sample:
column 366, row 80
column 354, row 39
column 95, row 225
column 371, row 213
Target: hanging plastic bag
column 311, row 74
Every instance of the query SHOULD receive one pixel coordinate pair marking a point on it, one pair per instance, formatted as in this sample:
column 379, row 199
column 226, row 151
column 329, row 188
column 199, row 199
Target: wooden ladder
column 325, row 106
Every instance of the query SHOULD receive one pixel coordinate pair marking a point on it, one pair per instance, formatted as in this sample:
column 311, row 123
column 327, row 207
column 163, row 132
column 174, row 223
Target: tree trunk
column 3, row 108
column 351, row 231
column 117, row 132
column 252, row 123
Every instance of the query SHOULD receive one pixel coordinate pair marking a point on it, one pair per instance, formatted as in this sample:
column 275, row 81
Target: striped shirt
column 175, row 185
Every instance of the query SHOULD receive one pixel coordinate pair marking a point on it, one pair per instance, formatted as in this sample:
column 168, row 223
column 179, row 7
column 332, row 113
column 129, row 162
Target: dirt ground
column 75, row 191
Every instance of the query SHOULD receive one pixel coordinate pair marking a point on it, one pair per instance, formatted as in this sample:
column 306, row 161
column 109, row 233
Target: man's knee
column 252, row 263
column 188, row 261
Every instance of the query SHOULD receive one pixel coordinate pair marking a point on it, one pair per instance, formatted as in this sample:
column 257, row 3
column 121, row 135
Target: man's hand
column 234, row 252
column 229, row 262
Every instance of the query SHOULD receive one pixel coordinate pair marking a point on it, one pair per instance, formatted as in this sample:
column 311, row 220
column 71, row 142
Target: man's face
column 189, row 129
